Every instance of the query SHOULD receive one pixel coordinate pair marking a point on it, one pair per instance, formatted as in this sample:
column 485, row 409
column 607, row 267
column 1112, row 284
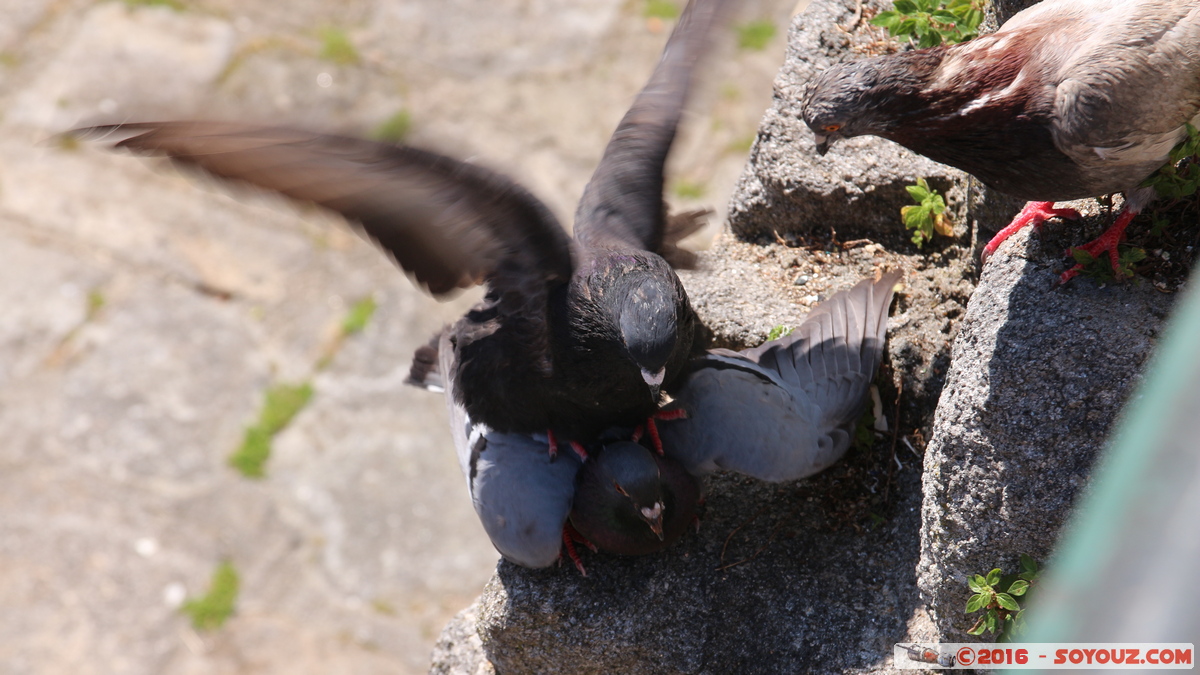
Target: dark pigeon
column 632, row 501
column 781, row 411
column 1069, row 99
column 574, row 336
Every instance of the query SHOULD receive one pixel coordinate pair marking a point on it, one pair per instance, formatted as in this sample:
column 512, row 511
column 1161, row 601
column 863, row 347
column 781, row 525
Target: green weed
column 928, row 23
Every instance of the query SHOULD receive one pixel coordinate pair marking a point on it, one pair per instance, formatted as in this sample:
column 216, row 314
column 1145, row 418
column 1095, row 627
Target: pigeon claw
column 1034, row 213
column 1106, row 243
column 650, row 428
column 569, row 536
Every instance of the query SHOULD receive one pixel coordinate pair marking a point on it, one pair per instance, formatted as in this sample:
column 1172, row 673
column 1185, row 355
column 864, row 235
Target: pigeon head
column 870, row 96
column 841, row 102
column 631, row 501
column 646, row 317
column 629, row 475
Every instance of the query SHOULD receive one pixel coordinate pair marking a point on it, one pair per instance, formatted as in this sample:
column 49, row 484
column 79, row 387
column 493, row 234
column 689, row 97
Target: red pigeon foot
column 1034, row 213
column 552, row 442
column 651, row 429
column 569, row 536
column 1106, row 242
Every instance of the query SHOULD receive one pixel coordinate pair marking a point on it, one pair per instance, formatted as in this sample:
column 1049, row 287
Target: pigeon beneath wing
column 1069, row 99
column 521, row 494
column 780, row 411
column 633, row 501
column 574, row 336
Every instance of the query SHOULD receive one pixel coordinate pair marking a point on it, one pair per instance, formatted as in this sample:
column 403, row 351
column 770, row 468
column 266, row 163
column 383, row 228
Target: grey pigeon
column 521, row 494
column 574, row 336
column 1069, row 99
column 780, row 411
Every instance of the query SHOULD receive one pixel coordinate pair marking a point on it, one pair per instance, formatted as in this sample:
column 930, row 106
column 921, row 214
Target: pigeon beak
column 822, row 142
column 653, row 517
column 654, row 380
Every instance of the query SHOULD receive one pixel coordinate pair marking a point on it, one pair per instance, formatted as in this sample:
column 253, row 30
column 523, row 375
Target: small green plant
column 686, row 189
column 395, row 128
column 864, row 432
column 755, row 36
column 928, row 23
column 358, row 316
column 337, row 47
column 928, row 215
column 176, row 5
column 1100, row 268
column 209, row 611
column 281, row 403
column 778, row 332
column 1001, row 611
column 1180, row 176
column 660, row 9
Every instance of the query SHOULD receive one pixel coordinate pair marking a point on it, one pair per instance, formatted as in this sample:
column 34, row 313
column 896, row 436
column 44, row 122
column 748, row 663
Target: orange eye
column 832, row 127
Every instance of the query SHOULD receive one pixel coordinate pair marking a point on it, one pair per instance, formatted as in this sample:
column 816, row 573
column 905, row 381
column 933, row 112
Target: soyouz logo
column 1045, row 656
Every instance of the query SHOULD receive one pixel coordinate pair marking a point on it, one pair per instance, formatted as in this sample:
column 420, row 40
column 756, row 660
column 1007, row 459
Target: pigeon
column 632, row 501
column 1069, row 99
column 781, row 411
column 521, row 494
column 574, row 335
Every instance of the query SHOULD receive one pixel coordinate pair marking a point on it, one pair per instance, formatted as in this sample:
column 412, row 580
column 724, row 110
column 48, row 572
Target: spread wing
column 448, row 223
column 784, row 410
column 623, row 202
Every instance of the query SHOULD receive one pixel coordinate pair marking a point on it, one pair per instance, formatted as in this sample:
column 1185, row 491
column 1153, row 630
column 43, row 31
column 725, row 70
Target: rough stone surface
column 459, row 651
column 858, row 187
column 1039, row 375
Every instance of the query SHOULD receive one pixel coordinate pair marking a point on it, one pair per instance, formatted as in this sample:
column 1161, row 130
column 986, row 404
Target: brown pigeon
column 574, row 335
column 1069, row 99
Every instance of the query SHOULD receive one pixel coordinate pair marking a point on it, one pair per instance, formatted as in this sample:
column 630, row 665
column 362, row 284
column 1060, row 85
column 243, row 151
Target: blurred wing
column 623, row 202
column 448, row 223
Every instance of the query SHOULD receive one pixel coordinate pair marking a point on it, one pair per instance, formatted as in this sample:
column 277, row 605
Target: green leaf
column 905, row 27
column 993, row 577
column 978, row 584
column 1027, row 563
column 917, row 192
column 936, row 203
column 945, row 16
column 778, row 332
column 1007, row 602
column 977, row 629
column 886, row 19
column 905, row 6
column 1082, row 257
column 1018, row 587
column 977, row 602
column 991, row 620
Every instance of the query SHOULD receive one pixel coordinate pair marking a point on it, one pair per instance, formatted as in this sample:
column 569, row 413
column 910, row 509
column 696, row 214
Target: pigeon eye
column 832, row 127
